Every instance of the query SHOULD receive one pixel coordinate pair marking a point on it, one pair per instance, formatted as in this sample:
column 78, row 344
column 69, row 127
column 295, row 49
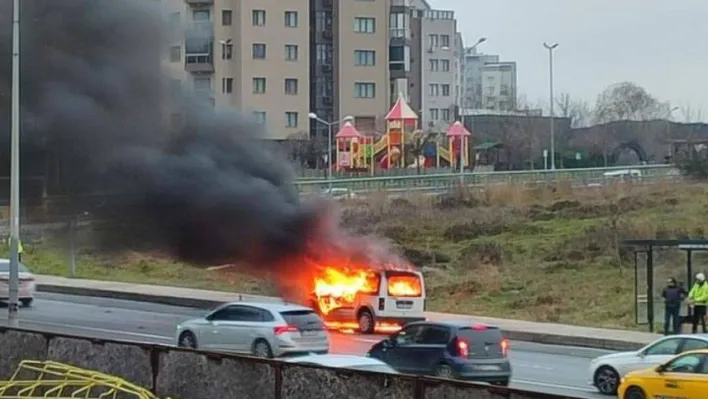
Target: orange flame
column 336, row 288
column 404, row 286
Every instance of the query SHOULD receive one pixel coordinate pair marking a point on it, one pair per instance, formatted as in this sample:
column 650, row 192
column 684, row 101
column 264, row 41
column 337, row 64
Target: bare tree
column 415, row 144
column 577, row 111
column 628, row 101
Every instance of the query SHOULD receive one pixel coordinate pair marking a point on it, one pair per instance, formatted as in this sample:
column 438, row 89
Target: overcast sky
column 661, row 45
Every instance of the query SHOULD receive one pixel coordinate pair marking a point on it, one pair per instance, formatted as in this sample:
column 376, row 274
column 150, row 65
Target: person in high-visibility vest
column 20, row 250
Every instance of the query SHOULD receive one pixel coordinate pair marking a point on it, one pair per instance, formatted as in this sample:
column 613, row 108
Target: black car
column 449, row 350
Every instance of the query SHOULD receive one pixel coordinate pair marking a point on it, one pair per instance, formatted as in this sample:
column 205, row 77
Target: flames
column 336, row 288
column 404, row 285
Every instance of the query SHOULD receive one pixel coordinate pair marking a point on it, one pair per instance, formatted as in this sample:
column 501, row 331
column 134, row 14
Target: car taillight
column 284, row 329
column 504, row 347
column 382, row 303
column 463, row 348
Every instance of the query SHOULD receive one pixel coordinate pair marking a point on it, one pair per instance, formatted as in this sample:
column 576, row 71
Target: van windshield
column 404, row 284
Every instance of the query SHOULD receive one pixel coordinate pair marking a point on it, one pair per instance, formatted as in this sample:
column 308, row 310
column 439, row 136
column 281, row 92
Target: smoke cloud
column 96, row 106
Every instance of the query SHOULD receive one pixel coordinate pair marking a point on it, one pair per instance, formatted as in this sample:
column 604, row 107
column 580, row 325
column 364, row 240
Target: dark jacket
column 673, row 296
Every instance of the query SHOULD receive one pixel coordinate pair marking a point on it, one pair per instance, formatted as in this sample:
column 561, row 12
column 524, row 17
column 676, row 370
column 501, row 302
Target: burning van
column 369, row 300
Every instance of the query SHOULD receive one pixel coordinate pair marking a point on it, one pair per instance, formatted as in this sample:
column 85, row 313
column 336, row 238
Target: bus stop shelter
column 645, row 289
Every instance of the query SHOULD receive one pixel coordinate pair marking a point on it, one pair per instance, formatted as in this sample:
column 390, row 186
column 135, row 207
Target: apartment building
column 488, row 82
column 349, row 62
column 247, row 54
column 435, row 83
column 499, row 86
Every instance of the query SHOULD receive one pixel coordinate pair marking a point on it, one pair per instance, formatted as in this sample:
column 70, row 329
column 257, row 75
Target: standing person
column 698, row 299
column 20, row 250
column 673, row 295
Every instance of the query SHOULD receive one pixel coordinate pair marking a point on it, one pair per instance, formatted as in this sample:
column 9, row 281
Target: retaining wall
column 189, row 374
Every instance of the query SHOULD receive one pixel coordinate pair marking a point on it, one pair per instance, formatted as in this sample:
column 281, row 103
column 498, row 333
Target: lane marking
column 551, row 385
column 102, row 330
column 531, row 366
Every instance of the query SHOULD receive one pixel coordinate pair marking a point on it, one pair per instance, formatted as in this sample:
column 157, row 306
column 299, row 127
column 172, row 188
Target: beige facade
column 363, row 83
column 249, row 54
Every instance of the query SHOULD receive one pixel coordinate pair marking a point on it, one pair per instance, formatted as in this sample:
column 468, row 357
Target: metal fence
column 441, row 182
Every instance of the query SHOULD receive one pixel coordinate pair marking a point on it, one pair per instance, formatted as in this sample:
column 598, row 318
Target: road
column 544, row 368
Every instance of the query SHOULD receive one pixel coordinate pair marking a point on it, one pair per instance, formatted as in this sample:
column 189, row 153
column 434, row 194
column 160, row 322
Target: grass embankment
column 542, row 254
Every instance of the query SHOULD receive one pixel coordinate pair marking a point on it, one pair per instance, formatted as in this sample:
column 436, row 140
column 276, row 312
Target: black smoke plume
column 98, row 117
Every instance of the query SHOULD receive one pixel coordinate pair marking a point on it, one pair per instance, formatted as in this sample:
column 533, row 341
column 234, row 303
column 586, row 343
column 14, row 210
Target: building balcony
column 199, row 2
column 199, row 62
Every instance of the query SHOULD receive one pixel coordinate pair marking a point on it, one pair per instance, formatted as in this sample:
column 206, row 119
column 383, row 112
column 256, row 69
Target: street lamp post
column 550, row 48
column 13, row 297
column 330, row 133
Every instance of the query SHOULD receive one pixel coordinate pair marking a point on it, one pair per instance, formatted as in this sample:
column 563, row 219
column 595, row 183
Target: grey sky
column 661, row 45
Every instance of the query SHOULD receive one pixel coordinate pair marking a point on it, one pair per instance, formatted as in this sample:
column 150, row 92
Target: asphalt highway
column 543, row 368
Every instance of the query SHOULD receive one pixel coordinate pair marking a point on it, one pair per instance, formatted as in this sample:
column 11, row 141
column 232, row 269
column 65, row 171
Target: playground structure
column 357, row 152
column 48, row 379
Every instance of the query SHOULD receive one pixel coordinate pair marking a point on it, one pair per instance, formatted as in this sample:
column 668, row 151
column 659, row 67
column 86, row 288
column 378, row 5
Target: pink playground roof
column 401, row 111
column 457, row 129
column 348, row 131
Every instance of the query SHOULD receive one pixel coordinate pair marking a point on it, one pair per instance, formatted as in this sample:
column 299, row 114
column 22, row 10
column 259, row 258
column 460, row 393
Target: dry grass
column 538, row 253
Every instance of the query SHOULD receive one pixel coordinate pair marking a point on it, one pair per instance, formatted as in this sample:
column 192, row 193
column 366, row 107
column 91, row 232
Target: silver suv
column 261, row 329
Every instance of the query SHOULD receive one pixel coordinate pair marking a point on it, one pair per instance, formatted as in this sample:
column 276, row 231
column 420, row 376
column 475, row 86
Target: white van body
column 369, row 312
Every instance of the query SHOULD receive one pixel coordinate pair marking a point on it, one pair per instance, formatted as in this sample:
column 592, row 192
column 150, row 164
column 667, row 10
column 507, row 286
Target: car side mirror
column 660, row 369
column 389, row 343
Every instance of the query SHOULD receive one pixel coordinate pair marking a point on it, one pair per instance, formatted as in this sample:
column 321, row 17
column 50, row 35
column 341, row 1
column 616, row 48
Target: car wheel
column 261, row 348
column 634, row 393
column 606, row 380
column 366, row 322
column 26, row 302
column 187, row 340
column 444, row 371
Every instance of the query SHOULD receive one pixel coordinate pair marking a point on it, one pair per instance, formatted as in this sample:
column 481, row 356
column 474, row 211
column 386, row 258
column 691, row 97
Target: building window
column 175, row 54
column 227, row 51
column 201, row 16
column 227, row 17
column 434, row 90
column 291, row 19
column 434, row 65
column 227, row 85
column 291, row 52
column 365, row 25
column 445, row 41
column 364, row 57
column 259, row 85
column 290, row 86
column 434, row 114
column 445, row 114
column 291, row 119
column 259, row 116
column 445, row 90
column 445, row 65
column 433, row 41
column 202, row 84
column 364, row 90
column 258, row 17
column 259, row 51
column 174, row 21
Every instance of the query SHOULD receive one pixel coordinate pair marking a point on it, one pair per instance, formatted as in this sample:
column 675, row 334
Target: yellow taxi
column 683, row 377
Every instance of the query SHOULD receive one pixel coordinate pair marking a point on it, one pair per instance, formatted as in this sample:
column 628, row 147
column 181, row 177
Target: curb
column 514, row 335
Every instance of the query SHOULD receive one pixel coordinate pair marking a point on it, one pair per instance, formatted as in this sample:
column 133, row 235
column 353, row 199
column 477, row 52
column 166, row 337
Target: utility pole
column 14, row 283
column 550, row 48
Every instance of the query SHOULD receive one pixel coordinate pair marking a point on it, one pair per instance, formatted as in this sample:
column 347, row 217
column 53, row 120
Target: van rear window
column 303, row 319
column 404, row 284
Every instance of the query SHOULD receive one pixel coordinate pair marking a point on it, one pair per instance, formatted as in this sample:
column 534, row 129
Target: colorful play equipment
column 357, row 152
column 48, row 379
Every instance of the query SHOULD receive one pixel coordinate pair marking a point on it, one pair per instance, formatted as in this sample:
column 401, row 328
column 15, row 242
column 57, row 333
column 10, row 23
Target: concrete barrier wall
column 185, row 374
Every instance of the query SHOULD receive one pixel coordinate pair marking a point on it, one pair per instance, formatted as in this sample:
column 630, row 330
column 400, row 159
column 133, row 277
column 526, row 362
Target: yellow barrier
column 47, row 379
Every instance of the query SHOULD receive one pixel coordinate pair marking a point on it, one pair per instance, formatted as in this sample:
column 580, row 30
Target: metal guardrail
column 446, row 181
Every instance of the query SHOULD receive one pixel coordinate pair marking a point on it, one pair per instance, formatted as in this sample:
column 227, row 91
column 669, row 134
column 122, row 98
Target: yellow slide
column 380, row 145
column 444, row 154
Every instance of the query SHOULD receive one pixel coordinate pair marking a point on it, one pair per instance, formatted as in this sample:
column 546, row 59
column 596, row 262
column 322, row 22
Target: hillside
column 544, row 254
